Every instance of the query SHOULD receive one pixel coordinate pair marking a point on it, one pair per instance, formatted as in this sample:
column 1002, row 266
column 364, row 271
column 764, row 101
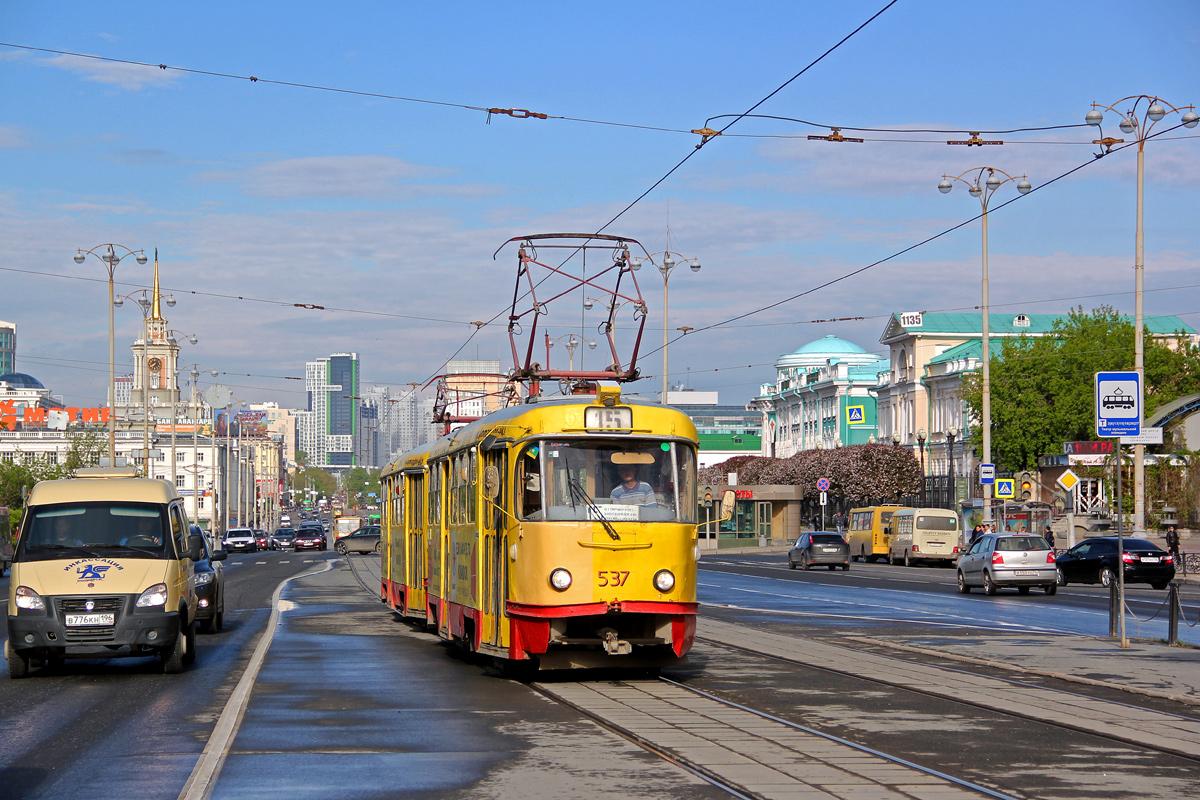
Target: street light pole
column 1156, row 109
column 669, row 262
column 110, row 261
column 983, row 188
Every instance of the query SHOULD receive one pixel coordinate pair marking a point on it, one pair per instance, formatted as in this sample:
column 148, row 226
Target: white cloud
column 374, row 176
column 126, row 76
column 12, row 136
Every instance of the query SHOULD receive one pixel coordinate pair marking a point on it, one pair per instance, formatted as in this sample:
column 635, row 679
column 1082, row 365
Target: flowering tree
column 858, row 472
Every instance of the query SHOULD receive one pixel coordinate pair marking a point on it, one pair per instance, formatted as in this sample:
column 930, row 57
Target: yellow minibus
column 868, row 533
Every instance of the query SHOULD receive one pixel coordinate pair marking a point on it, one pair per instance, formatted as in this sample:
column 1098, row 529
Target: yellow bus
column 561, row 533
column 868, row 533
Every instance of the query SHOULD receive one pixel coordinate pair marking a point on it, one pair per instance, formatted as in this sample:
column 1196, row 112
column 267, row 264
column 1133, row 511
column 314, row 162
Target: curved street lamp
column 1138, row 120
column 572, row 343
column 982, row 183
column 108, row 254
column 670, row 260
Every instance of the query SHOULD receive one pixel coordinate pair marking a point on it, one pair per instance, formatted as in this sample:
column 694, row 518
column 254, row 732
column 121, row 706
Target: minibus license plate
column 90, row 619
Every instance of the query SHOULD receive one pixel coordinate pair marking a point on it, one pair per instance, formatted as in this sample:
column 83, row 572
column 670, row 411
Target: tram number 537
column 612, row 577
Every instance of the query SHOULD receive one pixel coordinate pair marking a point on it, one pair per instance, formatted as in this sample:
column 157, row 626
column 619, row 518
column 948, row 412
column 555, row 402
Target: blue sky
column 377, row 205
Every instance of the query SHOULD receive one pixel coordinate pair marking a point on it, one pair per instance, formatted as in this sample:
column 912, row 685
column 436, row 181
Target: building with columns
column 821, row 398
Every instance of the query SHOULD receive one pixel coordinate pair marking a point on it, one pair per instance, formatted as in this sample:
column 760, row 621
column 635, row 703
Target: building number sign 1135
column 608, row 419
column 912, row 319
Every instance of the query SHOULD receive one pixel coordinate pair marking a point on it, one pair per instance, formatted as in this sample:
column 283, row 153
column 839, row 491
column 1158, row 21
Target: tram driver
column 631, row 491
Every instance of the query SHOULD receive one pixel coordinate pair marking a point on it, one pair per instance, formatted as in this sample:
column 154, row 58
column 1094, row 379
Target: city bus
column 868, row 532
column 924, row 534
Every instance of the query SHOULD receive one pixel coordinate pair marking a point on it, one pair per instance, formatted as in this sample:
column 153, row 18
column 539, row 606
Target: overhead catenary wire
column 908, row 249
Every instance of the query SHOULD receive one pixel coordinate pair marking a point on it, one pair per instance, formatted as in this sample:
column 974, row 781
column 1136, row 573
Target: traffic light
column 1026, row 482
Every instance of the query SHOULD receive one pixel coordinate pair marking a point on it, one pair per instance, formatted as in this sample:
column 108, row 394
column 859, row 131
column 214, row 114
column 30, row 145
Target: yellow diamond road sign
column 1068, row 480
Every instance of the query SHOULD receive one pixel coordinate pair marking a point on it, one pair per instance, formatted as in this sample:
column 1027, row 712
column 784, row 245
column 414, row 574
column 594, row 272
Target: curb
column 1045, row 673
column 208, row 767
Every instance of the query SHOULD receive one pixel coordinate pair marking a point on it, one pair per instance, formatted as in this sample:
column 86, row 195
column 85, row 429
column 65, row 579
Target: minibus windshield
column 108, row 529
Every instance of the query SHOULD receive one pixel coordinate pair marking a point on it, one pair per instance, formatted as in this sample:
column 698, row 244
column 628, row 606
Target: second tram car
column 561, row 532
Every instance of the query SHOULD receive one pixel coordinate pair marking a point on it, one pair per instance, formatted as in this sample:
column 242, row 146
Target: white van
column 924, row 534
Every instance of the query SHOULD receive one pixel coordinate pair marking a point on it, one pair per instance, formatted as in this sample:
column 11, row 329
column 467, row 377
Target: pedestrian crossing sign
column 856, row 415
column 1006, row 488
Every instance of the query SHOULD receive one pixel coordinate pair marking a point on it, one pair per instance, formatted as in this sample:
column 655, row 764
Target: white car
column 241, row 540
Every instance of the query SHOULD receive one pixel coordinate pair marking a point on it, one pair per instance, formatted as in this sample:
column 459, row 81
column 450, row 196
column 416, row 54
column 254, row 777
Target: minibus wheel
column 189, row 643
column 18, row 665
column 172, row 657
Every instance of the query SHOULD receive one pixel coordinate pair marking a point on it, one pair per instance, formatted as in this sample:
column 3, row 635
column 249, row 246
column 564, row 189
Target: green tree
column 1042, row 386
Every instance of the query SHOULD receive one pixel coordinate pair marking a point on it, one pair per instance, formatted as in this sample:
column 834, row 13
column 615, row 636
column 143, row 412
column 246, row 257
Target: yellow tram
column 561, row 532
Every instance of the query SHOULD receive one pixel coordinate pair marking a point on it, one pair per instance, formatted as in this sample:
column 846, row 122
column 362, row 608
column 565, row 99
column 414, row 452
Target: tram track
column 1146, row 743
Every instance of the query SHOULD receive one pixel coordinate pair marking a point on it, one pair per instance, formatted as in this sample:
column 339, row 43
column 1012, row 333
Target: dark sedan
column 209, row 577
column 363, row 540
column 1095, row 561
column 309, row 539
column 820, row 548
column 282, row 539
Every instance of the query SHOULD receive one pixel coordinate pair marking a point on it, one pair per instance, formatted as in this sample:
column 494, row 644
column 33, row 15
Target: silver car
column 999, row 560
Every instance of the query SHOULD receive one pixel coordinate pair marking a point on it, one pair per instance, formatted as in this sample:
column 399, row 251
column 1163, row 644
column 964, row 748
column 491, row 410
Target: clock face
column 155, row 364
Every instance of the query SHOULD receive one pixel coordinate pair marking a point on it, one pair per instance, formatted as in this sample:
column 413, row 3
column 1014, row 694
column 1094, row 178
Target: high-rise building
column 327, row 431
column 8, row 347
column 473, row 388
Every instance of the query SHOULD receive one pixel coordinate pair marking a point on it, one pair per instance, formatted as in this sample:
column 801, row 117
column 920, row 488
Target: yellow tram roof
column 555, row 416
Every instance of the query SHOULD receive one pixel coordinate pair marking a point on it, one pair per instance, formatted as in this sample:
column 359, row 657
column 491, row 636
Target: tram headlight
column 560, row 579
column 664, row 580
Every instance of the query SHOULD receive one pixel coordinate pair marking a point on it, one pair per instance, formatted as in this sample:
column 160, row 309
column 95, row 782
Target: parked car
column 363, row 540
column 1095, row 561
column 1000, row 560
column 820, row 548
column 309, row 538
column 209, row 578
column 241, row 540
column 282, row 539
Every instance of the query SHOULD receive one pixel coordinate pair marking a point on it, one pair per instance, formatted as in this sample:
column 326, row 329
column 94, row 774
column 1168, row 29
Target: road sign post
column 1119, row 413
column 1068, row 481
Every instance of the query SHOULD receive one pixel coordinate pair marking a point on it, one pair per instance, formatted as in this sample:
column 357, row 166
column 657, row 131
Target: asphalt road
column 119, row 728
column 881, row 598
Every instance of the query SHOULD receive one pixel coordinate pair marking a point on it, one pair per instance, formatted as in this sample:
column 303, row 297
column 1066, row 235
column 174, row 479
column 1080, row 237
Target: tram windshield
column 617, row 481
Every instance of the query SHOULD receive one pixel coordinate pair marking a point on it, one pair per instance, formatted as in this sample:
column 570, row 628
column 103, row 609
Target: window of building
column 200, row 457
column 179, row 481
column 180, row 456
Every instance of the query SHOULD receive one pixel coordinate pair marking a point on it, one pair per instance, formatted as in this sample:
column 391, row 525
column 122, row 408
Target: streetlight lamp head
column 994, row 181
column 118, row 301
column 193, row 339
column 213, row 372
column 1094, row 117
column 695, row 264
column 1190, row 119
column 170, row 301
column 668, row 262
column 591, row 344
column 975, row 190
column 635, row 263
column 1128, row 125
column 588, row 303
column 1156, row 111
column 921, row 435
column 79, row 257
column 1024, row 186
column 944, row 185
column 141, row 258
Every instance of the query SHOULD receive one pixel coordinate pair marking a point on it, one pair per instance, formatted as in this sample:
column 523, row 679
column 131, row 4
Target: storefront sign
column 743, row 494
column 54, row 418
column 1088, row 448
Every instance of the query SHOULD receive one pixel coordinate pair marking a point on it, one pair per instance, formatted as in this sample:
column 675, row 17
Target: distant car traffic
column 363, row 540
column 241, row 540
column 209, row 578
column 261, row 539
column 1095, row 561
column 282, row 538
column 309, row 538
column 999, row 561
column 820, row 548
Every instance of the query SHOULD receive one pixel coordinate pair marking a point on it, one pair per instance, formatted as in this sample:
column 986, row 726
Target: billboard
column 253, row 424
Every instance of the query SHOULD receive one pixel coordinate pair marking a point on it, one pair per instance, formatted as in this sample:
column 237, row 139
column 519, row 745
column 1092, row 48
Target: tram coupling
column 614, row 645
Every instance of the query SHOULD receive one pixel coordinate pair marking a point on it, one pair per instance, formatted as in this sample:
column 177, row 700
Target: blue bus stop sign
column 1118, row 404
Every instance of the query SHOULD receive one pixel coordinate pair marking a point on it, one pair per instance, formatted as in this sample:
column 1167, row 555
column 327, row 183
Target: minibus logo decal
column 92, row 570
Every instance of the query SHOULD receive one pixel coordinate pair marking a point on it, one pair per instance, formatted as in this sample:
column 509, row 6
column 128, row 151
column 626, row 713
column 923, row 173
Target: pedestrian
column 1173, row 542
column 976, row 532
column 1049, row 536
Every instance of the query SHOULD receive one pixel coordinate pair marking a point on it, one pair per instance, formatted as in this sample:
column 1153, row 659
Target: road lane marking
column 260, row 562
column 285, row 562
column 200, row 783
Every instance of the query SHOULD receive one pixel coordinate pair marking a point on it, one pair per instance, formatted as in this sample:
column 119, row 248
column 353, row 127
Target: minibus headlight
column 204, row 578
column 156, row 595
column 30, row 600
column 560, row 579
column 664, row 580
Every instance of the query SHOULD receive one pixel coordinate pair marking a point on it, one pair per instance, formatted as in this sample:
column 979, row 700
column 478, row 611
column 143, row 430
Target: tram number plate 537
column 612, row 577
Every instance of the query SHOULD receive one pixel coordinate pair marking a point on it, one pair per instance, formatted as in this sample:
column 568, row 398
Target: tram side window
column 417, row 520
column 435, row 494
column 529, row 479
